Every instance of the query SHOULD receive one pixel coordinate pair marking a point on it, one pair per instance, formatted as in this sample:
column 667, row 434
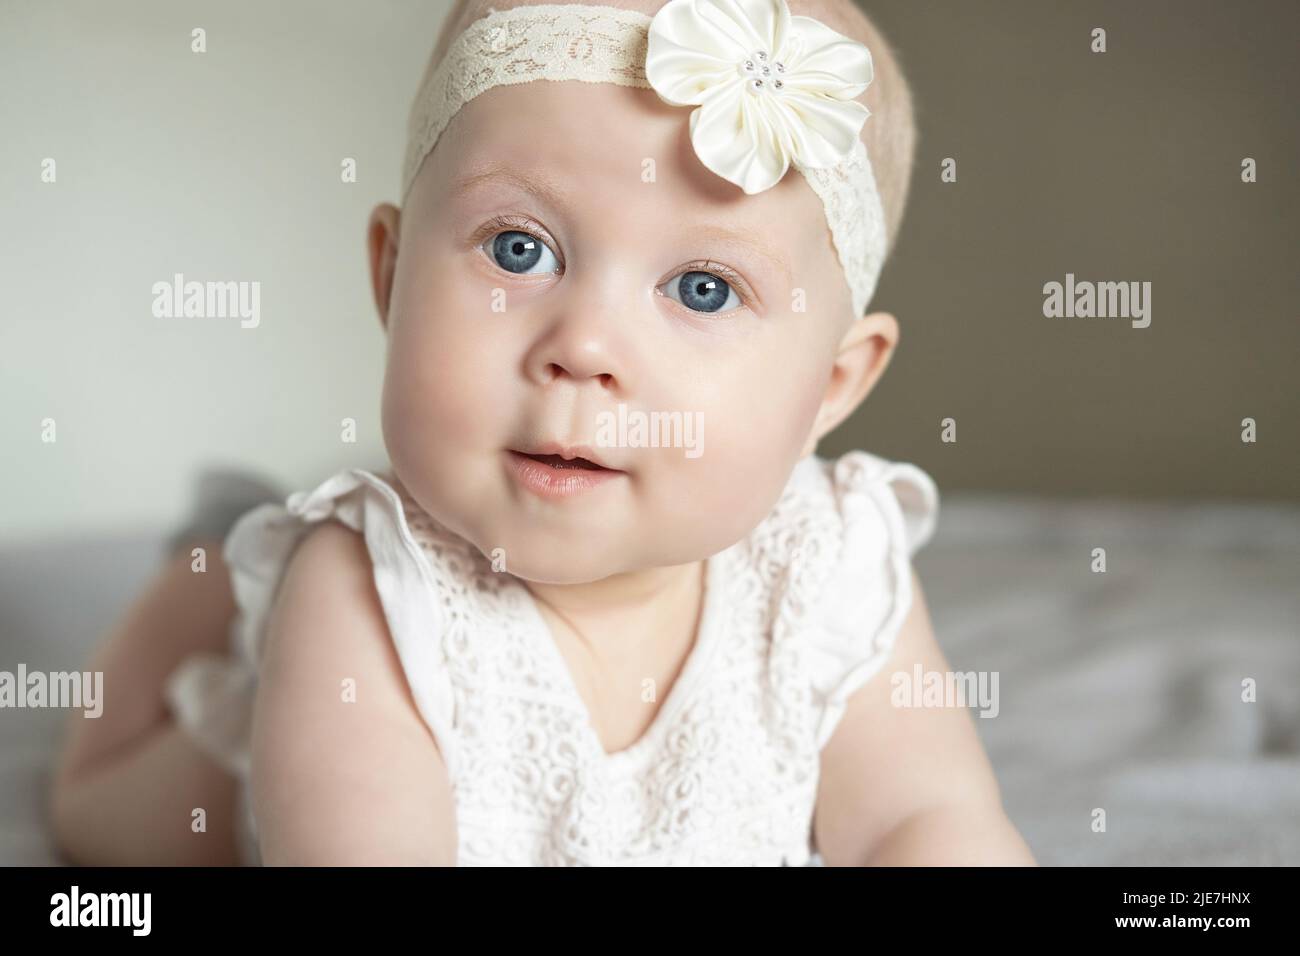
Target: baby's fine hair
column 889, row 133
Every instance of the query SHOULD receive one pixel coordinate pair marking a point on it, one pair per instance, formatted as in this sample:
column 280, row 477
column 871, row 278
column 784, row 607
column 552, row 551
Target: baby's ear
column 381, row 244
column 864, row 353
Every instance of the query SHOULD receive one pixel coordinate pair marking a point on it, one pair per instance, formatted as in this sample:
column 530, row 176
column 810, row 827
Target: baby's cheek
column 434, row 402
column 762, row 415
column 793, row 397
column 738, row 475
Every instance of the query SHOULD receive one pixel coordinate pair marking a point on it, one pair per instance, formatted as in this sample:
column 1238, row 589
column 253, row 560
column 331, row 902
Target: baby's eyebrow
column 538, row 185
column 551, row 193
column 722, row 234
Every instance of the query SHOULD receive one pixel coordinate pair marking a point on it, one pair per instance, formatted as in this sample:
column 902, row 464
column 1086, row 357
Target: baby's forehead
column 616, row 148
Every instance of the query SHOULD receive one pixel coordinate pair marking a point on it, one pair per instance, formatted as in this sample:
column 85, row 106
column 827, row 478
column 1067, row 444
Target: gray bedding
column 1120, row 691
column 1123, row 690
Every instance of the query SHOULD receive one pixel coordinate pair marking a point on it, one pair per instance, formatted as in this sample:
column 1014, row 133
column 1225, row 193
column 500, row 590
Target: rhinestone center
column 763, row 76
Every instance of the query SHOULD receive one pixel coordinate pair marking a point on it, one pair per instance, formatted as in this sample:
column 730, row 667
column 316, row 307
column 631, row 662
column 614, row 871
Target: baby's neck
column 622, row 613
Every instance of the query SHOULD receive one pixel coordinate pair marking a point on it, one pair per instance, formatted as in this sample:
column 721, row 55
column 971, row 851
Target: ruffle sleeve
column 887, row 511
column 211, row 696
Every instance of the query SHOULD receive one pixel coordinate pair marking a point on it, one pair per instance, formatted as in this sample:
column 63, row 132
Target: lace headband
column 771, row 91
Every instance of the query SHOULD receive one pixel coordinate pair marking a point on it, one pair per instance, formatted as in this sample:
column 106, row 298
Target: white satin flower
column 772, row 89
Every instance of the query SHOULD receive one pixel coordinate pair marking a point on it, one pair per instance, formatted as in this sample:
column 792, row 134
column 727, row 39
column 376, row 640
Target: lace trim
column 856, row 219
column 597, row 44
column 519, row 45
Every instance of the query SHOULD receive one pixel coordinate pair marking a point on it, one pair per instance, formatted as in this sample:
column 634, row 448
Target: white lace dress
column 796, row 617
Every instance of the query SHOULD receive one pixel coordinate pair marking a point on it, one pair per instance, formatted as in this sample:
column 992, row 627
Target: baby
column 563, row 628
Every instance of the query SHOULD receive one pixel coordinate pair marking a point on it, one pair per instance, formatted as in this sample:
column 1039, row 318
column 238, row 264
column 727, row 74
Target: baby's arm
column 910, row 786
column 336, row 782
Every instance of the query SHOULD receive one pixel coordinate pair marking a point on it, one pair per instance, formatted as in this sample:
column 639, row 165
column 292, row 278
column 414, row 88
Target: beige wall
column 1116, row 166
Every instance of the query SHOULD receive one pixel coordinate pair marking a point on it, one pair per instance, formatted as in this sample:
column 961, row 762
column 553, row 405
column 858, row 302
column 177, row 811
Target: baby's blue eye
column 519, row 252
column 702, row 292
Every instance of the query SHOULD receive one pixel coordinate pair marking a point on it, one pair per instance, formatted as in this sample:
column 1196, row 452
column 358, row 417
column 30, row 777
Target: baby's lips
column 568, row 451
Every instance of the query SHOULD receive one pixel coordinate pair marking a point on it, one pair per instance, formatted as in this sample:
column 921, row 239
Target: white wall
column 223, row 165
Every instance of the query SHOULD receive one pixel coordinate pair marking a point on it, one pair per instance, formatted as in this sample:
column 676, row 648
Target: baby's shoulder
column 312, row 591
column 315, row 547
column 329, row 557
column 325, row 608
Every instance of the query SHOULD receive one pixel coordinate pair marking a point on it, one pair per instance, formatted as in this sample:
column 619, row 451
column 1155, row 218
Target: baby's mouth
column 558, row 461
column 559, row 472
column 565, row 457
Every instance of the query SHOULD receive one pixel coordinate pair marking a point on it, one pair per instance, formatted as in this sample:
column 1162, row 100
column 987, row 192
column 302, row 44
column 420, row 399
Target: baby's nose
column 580, row 346
column 590, row 328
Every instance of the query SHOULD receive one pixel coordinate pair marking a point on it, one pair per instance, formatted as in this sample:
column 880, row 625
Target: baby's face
column 528, row 307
